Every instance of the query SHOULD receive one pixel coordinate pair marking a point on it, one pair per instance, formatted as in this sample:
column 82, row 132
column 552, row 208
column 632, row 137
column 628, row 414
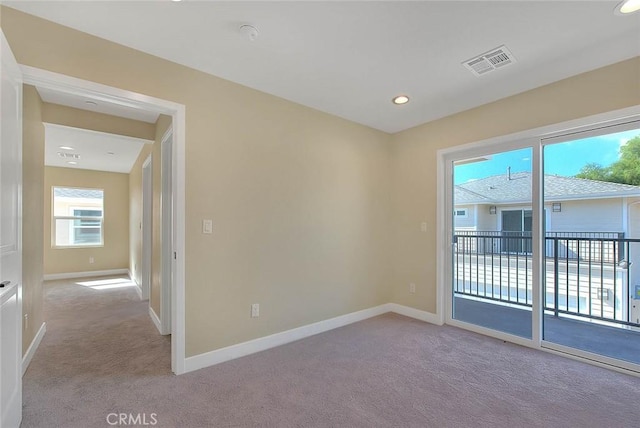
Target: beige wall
column 68, row 116
column 115, row 252
column 414, row 159
column 299, row 198
column 314, row 216
column 33, row 211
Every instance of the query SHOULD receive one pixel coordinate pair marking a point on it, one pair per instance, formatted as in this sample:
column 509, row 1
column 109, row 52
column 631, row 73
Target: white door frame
column 80, row 87
column 167, row 236
column 517, row 140
column 147, row 224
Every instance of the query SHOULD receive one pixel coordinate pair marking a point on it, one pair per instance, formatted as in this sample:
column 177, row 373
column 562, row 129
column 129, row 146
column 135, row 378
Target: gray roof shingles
column 502, row 189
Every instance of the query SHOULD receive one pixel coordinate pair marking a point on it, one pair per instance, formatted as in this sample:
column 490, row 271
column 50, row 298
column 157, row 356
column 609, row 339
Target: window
column 77, row 217
column 460, row 212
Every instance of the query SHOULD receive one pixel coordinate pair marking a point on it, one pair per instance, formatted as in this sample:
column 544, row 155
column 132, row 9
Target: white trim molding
column 33, row 347
column 407, row 311
column 138, row 288
column 88, row 274
column 155, row 319
column 267, row 342
column 277, row 339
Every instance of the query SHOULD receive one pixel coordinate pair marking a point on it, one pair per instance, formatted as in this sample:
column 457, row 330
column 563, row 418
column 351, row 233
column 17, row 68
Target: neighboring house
column 503, row 203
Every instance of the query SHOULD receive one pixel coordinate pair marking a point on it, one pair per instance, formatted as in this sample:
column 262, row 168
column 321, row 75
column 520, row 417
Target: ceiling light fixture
column 66, row 148
column 110, row 153
column 627, row 6
column 400, row 99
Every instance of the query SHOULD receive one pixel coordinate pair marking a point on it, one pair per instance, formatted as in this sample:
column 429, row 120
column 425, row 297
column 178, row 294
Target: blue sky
column 562, row 159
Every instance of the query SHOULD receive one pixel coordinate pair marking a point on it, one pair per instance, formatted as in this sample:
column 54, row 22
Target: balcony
column 589, row 287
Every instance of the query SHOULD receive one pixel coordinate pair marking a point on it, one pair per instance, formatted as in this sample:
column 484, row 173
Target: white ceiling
column 112, row 109
column 351, row 58
column 94, row 149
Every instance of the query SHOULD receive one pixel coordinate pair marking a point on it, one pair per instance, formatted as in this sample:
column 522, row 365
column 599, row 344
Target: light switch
column 207, row 226
column 423, row 226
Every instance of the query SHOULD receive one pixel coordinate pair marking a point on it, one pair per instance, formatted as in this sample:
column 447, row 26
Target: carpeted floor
column 102, row 355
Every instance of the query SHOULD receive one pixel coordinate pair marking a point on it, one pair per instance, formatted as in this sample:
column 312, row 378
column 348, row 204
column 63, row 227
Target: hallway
column 99, row 339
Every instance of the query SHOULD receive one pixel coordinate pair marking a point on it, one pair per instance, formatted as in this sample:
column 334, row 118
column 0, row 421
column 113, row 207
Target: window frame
column 72, row 208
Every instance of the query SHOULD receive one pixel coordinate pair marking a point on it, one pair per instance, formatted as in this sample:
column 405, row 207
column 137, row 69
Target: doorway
column 129, row 100
column 516, row 225
column 568, row 250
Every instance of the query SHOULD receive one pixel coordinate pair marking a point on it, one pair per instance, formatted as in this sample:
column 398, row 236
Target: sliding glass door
column 545, row 241
column 592, row 242
column 491, row 252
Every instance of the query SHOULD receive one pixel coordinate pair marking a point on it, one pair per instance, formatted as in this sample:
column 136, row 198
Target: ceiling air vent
column 492, row 60
column 65, row 155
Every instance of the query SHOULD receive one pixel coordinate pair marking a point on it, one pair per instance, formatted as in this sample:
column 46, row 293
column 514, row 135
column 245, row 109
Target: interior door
column 10, row 238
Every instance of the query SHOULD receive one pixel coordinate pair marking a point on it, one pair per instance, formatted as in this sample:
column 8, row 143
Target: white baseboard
column 155, row 319
column 69, row 275
column 416, row 313
column 246, row 348
column 138, row 286
column 33, row 347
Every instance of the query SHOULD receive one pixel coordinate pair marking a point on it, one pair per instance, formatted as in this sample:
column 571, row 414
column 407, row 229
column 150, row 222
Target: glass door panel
column 592, row 245
column 492, row 218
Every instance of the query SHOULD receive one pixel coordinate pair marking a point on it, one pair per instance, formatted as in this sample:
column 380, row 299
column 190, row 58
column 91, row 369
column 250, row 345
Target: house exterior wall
column 468, row 221
column 596, row 215
column 486, row 221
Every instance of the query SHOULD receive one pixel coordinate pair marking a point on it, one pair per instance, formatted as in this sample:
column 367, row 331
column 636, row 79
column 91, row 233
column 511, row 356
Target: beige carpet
column 102, row 355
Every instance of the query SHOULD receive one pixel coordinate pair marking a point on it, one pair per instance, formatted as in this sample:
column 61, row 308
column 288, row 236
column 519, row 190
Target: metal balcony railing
column 586, row 274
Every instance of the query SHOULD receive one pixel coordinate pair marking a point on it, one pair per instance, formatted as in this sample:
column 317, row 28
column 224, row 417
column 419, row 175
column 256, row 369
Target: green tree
column 625, row 170
column 594, row 171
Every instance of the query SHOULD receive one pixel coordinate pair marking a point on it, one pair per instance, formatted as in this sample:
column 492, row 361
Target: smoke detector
column 249, row 32
column 490, row 61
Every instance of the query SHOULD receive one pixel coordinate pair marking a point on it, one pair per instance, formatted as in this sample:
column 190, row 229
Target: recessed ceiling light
column 400, row 99
column 72, row 163
column 66, row 148
column 627, row 6
column 91, row 103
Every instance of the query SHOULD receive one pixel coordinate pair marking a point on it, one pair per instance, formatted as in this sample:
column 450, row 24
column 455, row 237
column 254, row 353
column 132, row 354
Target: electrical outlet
column 26, row 321
column 423, row 226
column 255, row 310
column 91, row 260
column 412, row 288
